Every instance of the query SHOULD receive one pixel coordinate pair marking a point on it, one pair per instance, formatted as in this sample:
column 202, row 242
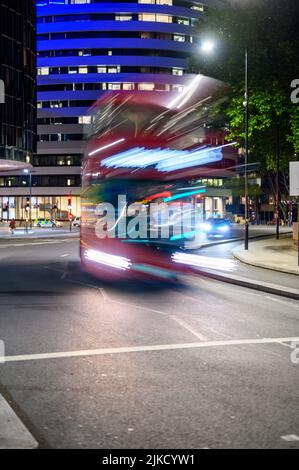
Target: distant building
column 84, row 48
column 18, row 105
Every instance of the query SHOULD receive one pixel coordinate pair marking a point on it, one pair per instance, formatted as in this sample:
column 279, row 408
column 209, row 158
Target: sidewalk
column 20, row 233
column 278, row 255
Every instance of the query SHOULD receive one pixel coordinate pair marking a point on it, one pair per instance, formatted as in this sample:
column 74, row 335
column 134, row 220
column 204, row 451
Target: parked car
column 217, row 227
column 77, row 222
column 47, row 223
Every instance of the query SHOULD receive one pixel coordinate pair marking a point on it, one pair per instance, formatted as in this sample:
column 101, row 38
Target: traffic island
column 278, row 255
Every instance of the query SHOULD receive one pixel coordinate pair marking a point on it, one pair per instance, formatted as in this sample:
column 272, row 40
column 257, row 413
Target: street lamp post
column 207, row 47
column 277, row 196
column 29, row 172
column 246, row 104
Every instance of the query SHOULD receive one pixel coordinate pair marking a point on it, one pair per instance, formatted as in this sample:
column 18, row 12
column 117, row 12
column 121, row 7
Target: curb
column 239, row 257
column 13, row 433
column 269, row 288
column 36, row 237
column 241, row 239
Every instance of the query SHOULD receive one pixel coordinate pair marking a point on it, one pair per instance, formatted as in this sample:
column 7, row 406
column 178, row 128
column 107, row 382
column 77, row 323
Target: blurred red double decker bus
column 141, row 206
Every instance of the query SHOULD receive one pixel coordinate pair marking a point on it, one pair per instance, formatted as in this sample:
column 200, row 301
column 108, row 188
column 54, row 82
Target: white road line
column 288, row 345
column 149, row 348
column 47, row 242
column 125, row 304
column 148, row 309
column 290, row 438
column 104, row 294
column 290, row 304
column 188, row 328
column 13, row 434
column 64, row 256
column 53, row 269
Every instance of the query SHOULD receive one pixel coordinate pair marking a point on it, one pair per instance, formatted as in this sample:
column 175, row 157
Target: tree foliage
column 269, row 29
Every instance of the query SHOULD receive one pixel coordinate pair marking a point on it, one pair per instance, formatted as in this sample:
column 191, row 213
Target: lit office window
column 83, row 70
column 183, row 21
column 155, row 17
column 114, row 86
column 123, row 17
column 84, row 120
column 163, row 19
column 178, row 88
column 198, row 7
column 177, row 71
column 128, row 86
column 102, row 69
column 43, row 71
column 179, row 37
column 146, row 86
column 156, row 2
column 115, row 69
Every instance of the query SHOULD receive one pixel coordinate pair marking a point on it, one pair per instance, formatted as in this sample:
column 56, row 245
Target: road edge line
column 281, row 291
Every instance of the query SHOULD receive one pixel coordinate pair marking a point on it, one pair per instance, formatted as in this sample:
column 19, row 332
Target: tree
column 270, row 31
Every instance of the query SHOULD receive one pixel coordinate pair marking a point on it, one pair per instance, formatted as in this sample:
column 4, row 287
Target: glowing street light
column 207, row 47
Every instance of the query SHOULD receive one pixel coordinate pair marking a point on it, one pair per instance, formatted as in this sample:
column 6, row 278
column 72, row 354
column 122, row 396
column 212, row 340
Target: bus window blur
column 141, row 201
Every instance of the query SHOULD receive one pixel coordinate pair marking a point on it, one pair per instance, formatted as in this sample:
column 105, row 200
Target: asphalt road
column 224, row 252
column 179, row 389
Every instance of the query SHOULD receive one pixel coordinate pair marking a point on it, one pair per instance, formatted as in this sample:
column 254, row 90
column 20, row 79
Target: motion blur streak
column 105, row 147
column 204, row 261
column 164, row 159
column 108, row 260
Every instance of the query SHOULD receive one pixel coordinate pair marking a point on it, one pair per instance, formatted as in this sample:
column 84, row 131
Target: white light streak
column 105, row 147
column 108, row 260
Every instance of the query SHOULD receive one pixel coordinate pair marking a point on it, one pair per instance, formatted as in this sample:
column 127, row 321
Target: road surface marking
column 13, row 433
column 64, row 256
column 148, row 348
column 46, row 242
column 288, row 345
column 290, row 438
column 104, row 294
column 290, row 304
column 54, row 269
column 148, row 309
column 188, row 328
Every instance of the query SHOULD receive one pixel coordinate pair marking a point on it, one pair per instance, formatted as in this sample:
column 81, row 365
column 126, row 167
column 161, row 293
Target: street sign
column 294, row 178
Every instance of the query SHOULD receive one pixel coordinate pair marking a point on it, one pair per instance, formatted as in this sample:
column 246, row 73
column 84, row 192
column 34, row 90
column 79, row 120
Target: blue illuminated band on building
column 85, row 48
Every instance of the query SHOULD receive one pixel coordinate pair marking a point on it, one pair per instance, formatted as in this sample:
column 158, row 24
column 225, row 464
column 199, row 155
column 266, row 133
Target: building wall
column 86, row 48
column 17, row 71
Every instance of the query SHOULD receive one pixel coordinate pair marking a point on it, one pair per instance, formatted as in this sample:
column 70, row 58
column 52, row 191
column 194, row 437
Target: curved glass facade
column 87, row 46
column 17, row 73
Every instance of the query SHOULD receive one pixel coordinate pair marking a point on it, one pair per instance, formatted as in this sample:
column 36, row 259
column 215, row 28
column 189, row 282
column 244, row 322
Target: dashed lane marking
column 147, row 348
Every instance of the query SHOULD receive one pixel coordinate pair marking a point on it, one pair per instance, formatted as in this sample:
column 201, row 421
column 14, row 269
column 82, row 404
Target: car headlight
column 224, row 228
column 206, row 227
